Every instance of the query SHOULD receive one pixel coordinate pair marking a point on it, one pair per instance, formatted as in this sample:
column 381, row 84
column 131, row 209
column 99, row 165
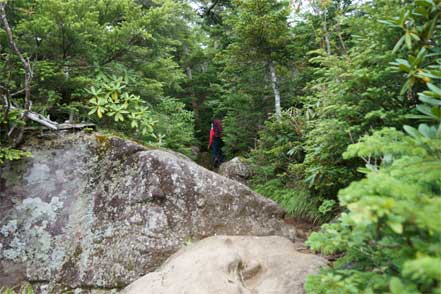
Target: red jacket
column 215, row 126
column 211, row 137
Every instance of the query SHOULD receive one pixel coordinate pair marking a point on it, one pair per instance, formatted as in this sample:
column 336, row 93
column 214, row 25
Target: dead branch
column 25, row 61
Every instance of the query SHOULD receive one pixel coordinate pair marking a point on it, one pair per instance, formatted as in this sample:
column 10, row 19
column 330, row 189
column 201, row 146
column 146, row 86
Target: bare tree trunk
column 189, row 72
column 26, row 65
column 325, row 30
column 275, row 86
column 194, row 99
column 4, row 92
column 342, row 42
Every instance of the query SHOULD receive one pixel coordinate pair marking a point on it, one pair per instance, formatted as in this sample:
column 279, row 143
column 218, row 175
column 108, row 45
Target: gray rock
column 233, row 265
column 94, row 212
column 236, row 169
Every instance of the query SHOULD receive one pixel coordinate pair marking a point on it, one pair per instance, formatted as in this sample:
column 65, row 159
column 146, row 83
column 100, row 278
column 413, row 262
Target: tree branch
column 211, row 7
column 25, row 61
column 28, row 72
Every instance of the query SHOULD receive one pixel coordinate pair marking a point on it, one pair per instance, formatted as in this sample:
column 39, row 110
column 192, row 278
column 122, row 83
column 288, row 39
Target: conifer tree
column 261, row 35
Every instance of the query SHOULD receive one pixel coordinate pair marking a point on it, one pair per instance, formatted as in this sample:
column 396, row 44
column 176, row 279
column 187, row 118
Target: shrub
column 118, row 109
column 168, row 124
column 391, row 232
column 297, row 202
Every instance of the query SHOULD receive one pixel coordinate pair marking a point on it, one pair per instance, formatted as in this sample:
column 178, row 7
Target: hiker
column 216, row 142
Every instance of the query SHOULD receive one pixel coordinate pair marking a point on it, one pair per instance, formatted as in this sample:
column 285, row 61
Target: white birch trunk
column 188, row 72
column 275, row 86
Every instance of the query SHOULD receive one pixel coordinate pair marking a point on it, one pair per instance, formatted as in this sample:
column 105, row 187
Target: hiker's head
column 217, row 125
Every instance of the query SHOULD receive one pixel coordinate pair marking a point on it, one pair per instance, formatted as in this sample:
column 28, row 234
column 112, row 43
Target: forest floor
column 303, row 227
column 303, row 230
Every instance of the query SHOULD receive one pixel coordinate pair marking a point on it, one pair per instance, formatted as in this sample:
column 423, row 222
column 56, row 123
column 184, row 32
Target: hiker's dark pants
column 216, row 152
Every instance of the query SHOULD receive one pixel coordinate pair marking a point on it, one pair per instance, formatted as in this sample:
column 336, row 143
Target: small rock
column 236, row 169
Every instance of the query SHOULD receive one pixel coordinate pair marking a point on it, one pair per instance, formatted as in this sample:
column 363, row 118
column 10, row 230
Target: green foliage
column 348, row 282
column 419, row 23
column 390, row 230
column 176, row 125
column 339, row 98
column 351, row 73
column 325, row 169
column 121, row 109
column 257, row 35
column 276, row 163
column 390, row 235
column 240, row 124
column 327, row 206
column 25, row 289
column 296, row 202
column 168, row 124
column 353, row 94
column 9, row 118
column 69, row 42
column 260, row 30
column 12, row 154
column 345, row 95
column 278, row 147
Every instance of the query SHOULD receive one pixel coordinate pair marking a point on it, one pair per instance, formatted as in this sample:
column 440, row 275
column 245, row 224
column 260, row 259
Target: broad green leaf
column 415, row 37
column 396, row 227
column 407, row 86
column 426, row 131
column 429, row 100
column 434, row 89
column 389, row 23
column 408, row 40
column 421, row 54
column 427, row 3
column 412, row 131
column 425, row 109
column 398, row 45
column 436, row 111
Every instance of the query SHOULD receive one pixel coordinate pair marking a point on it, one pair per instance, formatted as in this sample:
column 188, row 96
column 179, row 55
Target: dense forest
column 335, row 104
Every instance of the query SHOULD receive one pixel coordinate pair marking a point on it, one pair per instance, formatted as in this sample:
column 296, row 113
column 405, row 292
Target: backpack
column 217, row 126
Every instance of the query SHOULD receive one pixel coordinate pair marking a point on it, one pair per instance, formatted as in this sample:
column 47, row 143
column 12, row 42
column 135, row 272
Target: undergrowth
column 297, row 203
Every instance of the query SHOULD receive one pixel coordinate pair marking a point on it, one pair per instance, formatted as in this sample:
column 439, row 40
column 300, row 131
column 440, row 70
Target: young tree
column 260, row 34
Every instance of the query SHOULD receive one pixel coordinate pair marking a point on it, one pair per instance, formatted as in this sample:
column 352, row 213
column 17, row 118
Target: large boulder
column 96, row 213
column 232, row 265
column 236, row 169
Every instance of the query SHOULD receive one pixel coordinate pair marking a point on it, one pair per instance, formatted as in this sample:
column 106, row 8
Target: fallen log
column 52, row 124
column 68, row 126
column 41, row 120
